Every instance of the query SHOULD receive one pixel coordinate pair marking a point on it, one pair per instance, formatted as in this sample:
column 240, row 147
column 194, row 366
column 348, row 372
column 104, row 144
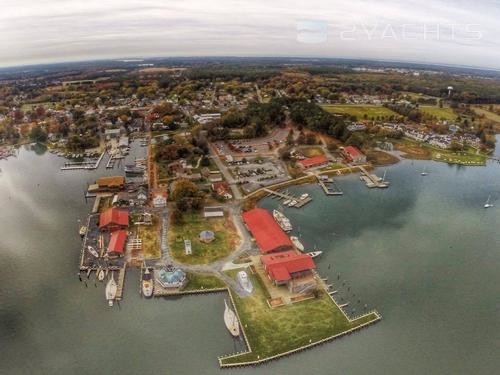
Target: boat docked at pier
column 101, row 274
column 111, row 289
column 133, row 170
column 282, row 221
column 93, row 251
column 147, row 283
column 231, row 321
column 82, row 231
column 244, row 281
column 296, row 242
column 314, row 254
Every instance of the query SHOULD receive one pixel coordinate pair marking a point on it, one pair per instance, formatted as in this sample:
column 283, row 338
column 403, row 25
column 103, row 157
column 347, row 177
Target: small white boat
column 111, row 288
column 292, row 203
column 488, row 204
column 314, row 254
column 287, row 202
column 82, row 231
column 231, row 321
column 93, row 251
column 296, row 242
column 244, row 281
column 282, row 221
column 147, row 283
column 424, row 172
column 101, row 274
column 304, row 196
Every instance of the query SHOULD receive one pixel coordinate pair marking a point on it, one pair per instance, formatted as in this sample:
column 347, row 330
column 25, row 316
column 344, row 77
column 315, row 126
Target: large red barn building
column 117, row 240
column 290, row 268
column 113, row 219
column 267, row 233
column 315, row 161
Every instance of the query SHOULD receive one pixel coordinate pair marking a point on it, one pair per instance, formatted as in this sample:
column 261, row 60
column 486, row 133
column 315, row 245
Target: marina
column 329, row 186
column 290, row 200
column 373, row 181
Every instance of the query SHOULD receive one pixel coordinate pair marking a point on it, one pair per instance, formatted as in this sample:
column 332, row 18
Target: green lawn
column 225, row 242
column 445, row 113
column 274, row 331
column 371, row 111
column 199, row 281
column 487, row 114
column 311, row 151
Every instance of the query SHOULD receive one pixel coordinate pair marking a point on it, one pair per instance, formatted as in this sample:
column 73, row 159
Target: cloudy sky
column 434, row 31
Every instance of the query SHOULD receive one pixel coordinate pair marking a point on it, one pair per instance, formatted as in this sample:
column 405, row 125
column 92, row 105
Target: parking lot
column 258, row 173
column 250, row 147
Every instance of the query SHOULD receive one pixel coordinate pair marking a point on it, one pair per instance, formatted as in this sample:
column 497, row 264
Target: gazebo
column 207, row 236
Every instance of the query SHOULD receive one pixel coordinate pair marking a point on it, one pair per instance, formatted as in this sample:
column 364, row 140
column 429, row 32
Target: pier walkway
column 372, row 180
column 300, row 202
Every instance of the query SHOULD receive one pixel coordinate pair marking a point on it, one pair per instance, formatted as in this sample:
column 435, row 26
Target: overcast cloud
column 36, row 31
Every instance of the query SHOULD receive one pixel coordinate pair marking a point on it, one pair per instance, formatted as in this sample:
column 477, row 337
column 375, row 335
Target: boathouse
column 116, row 246
column 291, row 269
column 354, row 155
column 113, row 219
column 314, row 162
column 267, row 233
column 108, row 184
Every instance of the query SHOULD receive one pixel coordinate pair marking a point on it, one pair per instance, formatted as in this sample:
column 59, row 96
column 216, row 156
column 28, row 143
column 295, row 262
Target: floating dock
column 372, row 180
column 330, row 187
column 89, row 165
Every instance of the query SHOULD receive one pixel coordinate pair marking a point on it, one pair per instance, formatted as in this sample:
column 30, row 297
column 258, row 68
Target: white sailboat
column 231, row 321
column 100, row 274
column 488, row 204
column 424, row 172
column 111, row 289
column 296, row 242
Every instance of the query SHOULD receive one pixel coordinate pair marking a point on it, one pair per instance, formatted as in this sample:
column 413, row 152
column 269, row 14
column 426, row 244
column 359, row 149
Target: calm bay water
column 423, row 252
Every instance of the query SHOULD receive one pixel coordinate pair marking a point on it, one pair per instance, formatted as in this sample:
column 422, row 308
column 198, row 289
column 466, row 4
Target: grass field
column 444, row 113
column 225, row 242
column 150, row 240
column 360, row 111
column 415, row 150
column 29, row 107
column 274, row 331
column 199, row 281
column 311, row 151
column 487, row 114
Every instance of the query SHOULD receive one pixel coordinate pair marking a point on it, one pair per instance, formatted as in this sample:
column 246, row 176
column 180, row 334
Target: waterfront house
column 267, row 233
column 291, row 269
column 354, row 155
column 116, row 246
column 314, row 162
column 113, row 219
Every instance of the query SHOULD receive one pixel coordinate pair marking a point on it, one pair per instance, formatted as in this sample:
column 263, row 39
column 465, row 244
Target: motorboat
column 82, row 230
column 424, row 173
column 147, row 283
column 282, row 221
column 296, row 242
column 93, row 251
column 304, row 196
column 231, row 321
column 314, row 254
column 101, row 274
column 244, row 281
column 111, row 289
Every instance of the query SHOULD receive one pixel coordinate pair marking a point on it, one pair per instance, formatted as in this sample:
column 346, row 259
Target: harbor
column 372, row 180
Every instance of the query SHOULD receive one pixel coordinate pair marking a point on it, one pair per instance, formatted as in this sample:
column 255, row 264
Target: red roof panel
column 353, row 151
column 117, row 242
column 267, row 233
column 315, row 160
column 113, row 216
column 280, row 266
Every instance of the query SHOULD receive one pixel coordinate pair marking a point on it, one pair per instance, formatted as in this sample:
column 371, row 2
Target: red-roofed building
column 113, row 219
column 353, row 154
column 315, row 161
column 267, row 233
column 116, row 246
column 290, row 268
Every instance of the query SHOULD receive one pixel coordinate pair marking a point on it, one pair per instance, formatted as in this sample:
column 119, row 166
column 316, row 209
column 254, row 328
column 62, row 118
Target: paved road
column 225, row 172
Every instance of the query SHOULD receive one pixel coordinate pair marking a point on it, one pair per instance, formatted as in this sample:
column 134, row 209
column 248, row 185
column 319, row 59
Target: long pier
column 330, row 187
column 89, row 165
column 120, row 282
column 300, row 202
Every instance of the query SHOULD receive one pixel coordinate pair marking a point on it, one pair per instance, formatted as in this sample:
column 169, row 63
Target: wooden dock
column 287, row 196
column 89, row 165
column 120, row 282
column 372, row 180
column 330, row 187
